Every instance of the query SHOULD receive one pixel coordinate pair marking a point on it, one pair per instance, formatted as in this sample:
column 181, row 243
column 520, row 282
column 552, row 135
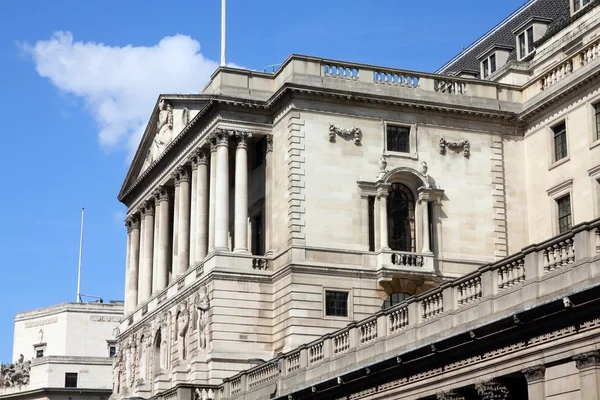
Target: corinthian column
column 155, row 244
column 193, row 208
column 145, row 286
column 133, row 226
column 200, row 240
column 211, row 193
column 162, row 279
column 241, row 192
column 269, row 196
column 183, row 241
column 222, row 191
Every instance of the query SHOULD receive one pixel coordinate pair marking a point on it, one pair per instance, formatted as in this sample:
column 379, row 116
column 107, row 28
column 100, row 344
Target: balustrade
column 263, row 374
column 396, row 79
column 341, row 343
column 340, row 72
column 398, row 319
column 590, row 53
column 236, row 385
column 469, row 290
column 511, row 274
column 556, row 74
column 407, row 260
column 432, row 305
column 260, row 264
column 558, row 255
column 293, row 362
column 315, row 353
column 367, row 331
column 450, row 86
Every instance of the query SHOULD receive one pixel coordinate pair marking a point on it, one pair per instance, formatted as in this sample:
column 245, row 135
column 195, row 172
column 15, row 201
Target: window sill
column 559, row 162
column 595, row 144
column 397, row 154
column 334, row 318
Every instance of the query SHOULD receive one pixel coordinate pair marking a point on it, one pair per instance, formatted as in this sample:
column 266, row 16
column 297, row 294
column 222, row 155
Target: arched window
column 393, row 299
column 401, row 218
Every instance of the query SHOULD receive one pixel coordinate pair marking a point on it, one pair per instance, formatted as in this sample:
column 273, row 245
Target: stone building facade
column 272, row 209
column 63, row 350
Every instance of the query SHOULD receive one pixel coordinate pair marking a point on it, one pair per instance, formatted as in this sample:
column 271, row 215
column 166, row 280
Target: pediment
column 170, row 116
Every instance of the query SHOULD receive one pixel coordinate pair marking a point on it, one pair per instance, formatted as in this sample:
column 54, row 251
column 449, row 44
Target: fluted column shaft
column 222, row 191
column 127, row 264
column 145, row 286
column 241, row 192
column 211, row 193
column 134, row 259
column 200, row 241
column 162, row 279
column 175, row 246
column 193, row 207
column 156, row 243
column 183, row 241
column 269, row 195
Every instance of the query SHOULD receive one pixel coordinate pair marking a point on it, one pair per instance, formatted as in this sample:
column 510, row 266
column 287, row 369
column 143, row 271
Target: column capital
column 161, row 194
column 587, row 360
column 534, row 374
column 222, row 137
column 147, row 208
column 212, row 142
column 242, row 138
column 132, row 222
column 269, row 140
column 181, row 174
column 199, row 157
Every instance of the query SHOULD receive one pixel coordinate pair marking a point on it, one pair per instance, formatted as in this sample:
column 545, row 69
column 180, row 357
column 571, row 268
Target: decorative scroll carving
column 105, row 318
column 533, row 374
column 260, row 264
column 444, row 144
column 202, row 307
column 492, row 390
column 183, row 322
column 132, row 222
column 352, row 133
column 221, row 137
column 586, row 360
column 16, row 374
column 41, row 322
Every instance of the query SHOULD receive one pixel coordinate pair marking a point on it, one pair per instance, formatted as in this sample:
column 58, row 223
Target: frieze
column 41, row 322
column 504, row 350
column 462, row 363
column 425, row 374
column 553, row 335
column 464, row 143
column 105, row 318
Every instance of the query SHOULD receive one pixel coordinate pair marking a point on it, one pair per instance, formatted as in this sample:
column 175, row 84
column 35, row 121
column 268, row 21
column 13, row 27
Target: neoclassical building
column 292, row 232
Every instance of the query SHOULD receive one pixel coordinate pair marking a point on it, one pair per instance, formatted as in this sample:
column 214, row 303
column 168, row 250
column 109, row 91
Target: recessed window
column 560, row 141
column 71, row 379
column 336, row 304
column 489, row 65
column 564, row 213
column 39, row 353
column 371, row 210
column 401, row 218
column 398, row 138
column 258, row 243
column 112, row 350
column 597, row 115
column 579, row 4
column 525, row 42
column 394, row 299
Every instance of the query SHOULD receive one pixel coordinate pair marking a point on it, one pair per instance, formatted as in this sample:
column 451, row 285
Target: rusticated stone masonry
column 296, row 176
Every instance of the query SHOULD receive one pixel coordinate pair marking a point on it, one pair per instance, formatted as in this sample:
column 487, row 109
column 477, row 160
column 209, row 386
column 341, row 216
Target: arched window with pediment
column 401, row 218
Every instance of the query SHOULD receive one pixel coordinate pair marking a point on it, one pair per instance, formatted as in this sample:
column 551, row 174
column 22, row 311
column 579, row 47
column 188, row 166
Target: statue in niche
column 164, row 345
column 183, row 320
column 116, row 332
column 41, row 335
column 202, row 306
column 164, row 128
column 117, row 365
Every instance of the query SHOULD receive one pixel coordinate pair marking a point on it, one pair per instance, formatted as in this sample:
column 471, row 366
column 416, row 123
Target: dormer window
column 528, row 33
column 489, row 65
column 493, row 59
column 579, row 4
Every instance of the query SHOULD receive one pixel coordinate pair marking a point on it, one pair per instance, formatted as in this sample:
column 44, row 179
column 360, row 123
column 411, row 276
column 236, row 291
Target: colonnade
column 179, row 225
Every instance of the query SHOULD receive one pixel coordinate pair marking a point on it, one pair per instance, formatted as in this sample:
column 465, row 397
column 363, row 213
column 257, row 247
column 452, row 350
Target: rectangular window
column 39, row 353
column 529, row 40
column 522, row 50
column 336, row 304
column 71, row 379
column 371, row 205
column 486, row 68
column 259, row 152
column 597, row 112
column 398, row 138
column 112, row 350
column 258, row 247
column 560, row 141
column 564, row 213
column 492, row 63
column 579, row 4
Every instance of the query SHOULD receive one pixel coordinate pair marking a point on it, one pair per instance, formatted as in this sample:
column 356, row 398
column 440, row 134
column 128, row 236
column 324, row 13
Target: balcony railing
column 506, row 284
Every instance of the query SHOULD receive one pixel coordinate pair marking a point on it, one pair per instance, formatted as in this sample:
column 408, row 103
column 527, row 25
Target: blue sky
column 78, row 80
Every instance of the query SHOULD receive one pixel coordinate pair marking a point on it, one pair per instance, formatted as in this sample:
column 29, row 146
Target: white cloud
column 119, row 85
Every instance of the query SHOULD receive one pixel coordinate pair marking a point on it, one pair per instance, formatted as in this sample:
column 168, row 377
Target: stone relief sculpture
column 352, row 133
column 130, row 361
column 183, row 321
column 16, row 374
column 462, row 143
column 202, row 306
column 164, row 132
column 382, row 167
column 164, row 345
column 116, row 332
column 41, row 335
column 117, row 365
column 185, row 117
column 144, row 340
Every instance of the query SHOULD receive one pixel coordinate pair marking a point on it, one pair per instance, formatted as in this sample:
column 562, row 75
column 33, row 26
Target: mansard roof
column 558, row 11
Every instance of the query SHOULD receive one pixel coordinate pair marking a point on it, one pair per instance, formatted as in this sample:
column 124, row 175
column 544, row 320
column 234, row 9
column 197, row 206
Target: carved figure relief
column 202, row 307
column 130, row 361
column 183, row 321
column 164, row 344
column 164, row 132
column 117, row 365
column 16, row 374
column 353, row 133
column 41, row 336
column 144, row 340
column 466, row 146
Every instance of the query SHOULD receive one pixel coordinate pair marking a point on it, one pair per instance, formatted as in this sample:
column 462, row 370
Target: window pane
column 398, row 139
column 336, row 304
column 492, row 63
column 522, row 45
column 486, row 70
column 401, row 218
column 371, row 205
column 586, row 2
column 39, row 353
column 597, row 108
column 560, row 141
column 71, row 380
column 530, row 40
column 112, row 351
column 394, row 299
column 564, row 214
column 576, row 5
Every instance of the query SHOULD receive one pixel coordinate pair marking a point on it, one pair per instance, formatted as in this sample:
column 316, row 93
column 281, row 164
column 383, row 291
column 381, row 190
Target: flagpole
column 223, row 30
column 80, row 255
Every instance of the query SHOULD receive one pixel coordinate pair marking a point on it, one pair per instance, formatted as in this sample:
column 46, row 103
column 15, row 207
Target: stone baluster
column 222, row 191
column 535, row 382
column 133, row 228
column 183, row 241
column 212, row 141
column 163, row 196
column 241, row 192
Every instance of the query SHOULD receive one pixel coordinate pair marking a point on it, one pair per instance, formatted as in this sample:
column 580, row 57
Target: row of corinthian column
column 158, row 246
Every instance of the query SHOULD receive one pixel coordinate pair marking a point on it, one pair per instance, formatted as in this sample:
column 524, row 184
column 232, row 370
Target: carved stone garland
column 444, row 144
column 352, row 133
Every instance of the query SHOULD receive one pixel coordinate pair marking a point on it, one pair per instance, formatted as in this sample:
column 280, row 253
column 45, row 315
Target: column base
column 223, row 249
column 241, row 251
